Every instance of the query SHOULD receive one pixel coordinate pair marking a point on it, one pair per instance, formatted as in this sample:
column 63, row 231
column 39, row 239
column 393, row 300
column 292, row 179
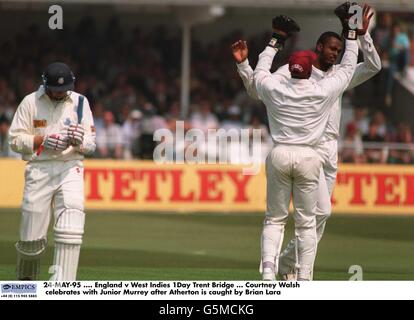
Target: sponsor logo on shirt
column 40, row 123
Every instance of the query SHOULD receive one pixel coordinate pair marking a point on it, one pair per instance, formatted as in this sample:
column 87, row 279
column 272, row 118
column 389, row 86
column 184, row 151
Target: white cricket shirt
column 364, row 71
column 38, row 115
column 298, row 109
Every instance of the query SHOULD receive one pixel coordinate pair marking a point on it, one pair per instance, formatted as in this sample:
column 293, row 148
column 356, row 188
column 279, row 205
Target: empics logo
column 19, row 288
column 5, row 287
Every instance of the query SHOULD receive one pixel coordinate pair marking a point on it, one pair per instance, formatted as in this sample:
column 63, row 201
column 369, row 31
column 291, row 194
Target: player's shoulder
column 333, row 70
column 320, row 86
column 283, row 70
column 29, row 99
column 335, row 67
column 31, row 96
column 75, row 97
column 282, row 73
column 319, row 75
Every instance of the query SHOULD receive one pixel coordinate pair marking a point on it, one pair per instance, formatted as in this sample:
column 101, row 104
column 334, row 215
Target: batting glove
column 56, row 142
column 75, row 134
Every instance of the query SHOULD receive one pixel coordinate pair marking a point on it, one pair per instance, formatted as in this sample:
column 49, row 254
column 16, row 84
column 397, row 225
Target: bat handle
column 39, row 150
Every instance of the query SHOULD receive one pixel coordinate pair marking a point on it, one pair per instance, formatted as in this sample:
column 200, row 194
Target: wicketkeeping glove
column 288, row 27
column 56, row 142
column 342, row 12
column 75, row 134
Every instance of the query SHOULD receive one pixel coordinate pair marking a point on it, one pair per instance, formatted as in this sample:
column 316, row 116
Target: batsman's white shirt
column 298, row 109
column 38, row 115
column 54, row 179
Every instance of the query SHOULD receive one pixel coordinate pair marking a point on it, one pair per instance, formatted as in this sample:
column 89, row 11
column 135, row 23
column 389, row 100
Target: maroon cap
column 300, row 64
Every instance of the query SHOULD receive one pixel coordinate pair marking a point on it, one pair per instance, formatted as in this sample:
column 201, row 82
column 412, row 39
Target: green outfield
column 201, row 246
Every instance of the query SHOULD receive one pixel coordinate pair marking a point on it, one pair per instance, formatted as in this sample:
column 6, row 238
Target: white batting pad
column 65, row 261
column 69, row 227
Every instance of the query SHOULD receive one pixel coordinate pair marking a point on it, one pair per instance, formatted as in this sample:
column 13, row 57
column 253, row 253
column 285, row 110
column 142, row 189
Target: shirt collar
column 318, row 72
column 300, row 81
column 322, row 73
column 41, row 92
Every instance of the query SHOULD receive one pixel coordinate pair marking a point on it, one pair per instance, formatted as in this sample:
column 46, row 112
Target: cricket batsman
column 53, row 129
column 328, row 48
column 298, row 109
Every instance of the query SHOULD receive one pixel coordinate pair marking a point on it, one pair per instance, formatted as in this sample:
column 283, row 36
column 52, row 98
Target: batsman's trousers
column 50, row 186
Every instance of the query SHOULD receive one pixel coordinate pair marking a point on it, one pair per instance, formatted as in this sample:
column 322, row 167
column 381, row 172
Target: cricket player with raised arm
column 53, row 129
column 298, row 109
column 328, row 48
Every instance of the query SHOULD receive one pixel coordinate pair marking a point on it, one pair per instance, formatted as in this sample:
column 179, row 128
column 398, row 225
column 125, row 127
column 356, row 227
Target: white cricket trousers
column 328, row 150
column 291, row 171
column 51, row 186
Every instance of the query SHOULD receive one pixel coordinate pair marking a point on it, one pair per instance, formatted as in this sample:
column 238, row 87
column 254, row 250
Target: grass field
column 153, row 246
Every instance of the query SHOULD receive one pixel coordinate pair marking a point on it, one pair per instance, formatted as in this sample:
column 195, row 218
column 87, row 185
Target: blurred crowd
column 132, row 80
column 367, row 134
column 370, row 138
column 394, row 42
